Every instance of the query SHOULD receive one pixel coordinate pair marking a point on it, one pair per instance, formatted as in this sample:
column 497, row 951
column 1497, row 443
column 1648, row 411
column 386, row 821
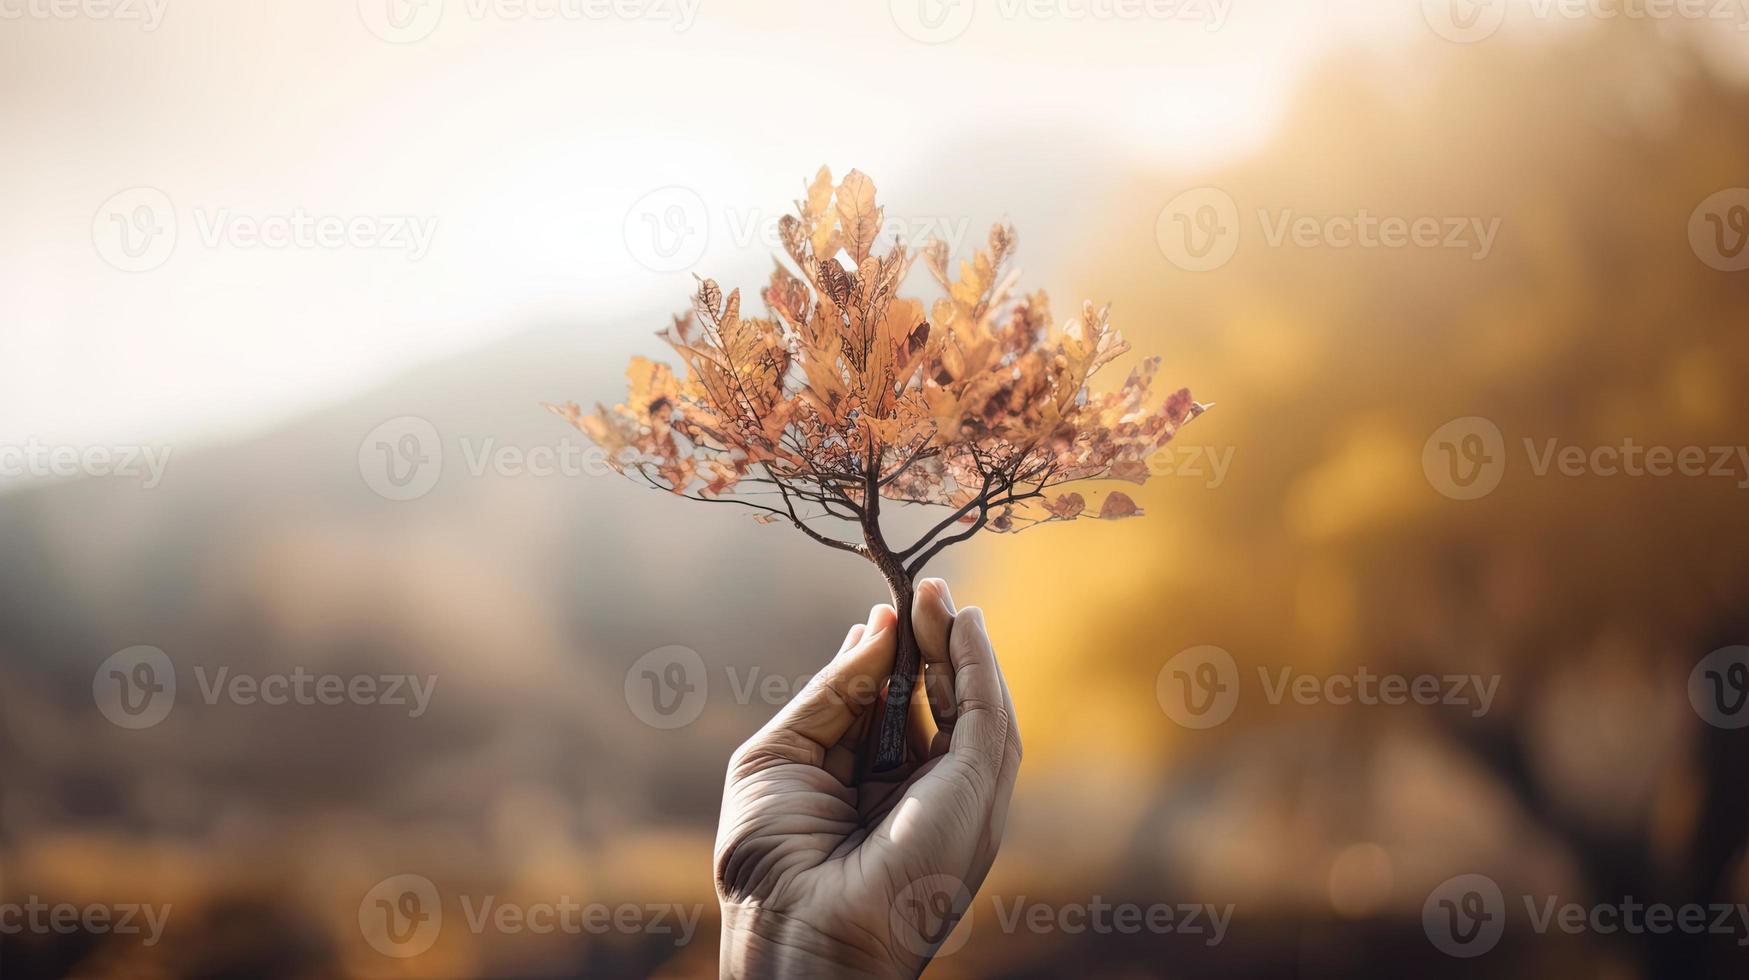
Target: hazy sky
column 311, row 208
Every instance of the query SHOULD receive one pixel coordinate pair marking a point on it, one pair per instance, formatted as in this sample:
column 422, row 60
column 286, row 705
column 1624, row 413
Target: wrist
column 762, row 944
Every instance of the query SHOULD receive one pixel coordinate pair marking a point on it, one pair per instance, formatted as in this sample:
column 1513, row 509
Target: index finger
column 983, row 720
column 819, row 715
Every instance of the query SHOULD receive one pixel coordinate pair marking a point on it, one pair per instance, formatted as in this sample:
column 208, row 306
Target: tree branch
column 788, row 514
column 981, row 500
column 978, row 525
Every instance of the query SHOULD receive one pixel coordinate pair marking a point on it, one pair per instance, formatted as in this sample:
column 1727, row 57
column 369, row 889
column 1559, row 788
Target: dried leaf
column 1118, row 505
column 971, row 401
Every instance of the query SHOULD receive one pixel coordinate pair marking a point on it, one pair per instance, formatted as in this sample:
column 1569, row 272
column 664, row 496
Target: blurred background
column 285, row 284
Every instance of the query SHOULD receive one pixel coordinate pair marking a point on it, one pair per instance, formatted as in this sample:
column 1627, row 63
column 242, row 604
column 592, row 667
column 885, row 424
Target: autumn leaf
column 1067, row 506
column 841, row 393
column 1118, row 505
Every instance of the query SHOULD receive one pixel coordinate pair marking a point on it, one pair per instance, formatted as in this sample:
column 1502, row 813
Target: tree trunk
column 884, row 749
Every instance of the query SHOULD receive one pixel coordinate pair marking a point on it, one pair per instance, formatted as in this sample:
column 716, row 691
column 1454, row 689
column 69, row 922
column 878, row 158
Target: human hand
column 819, row 876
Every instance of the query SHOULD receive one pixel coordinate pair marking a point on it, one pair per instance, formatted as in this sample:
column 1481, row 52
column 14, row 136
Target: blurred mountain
column 1325, row 548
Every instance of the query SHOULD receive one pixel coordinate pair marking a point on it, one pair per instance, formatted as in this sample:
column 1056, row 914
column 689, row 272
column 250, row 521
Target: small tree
column 847, row 395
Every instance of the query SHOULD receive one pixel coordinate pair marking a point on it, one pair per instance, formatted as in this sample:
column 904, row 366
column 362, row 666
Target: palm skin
column 818, row 874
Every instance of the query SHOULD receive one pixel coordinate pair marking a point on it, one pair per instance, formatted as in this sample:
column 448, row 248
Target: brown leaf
column 1067, row 505
column 858, row 217
column 1118, row 505
column 960, row 399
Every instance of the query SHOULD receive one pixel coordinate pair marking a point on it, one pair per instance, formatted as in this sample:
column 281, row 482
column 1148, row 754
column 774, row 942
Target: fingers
column 852, row 638
column 932, row 618
column 976, row 679
column 956, row 810
column 817, row 717
column 984, row 717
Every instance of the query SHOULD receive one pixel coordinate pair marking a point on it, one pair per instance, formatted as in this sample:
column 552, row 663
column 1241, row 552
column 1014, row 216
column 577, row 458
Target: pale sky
column 485, row 176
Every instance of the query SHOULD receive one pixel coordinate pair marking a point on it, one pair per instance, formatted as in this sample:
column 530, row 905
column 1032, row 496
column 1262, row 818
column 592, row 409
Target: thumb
column 819, row 715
